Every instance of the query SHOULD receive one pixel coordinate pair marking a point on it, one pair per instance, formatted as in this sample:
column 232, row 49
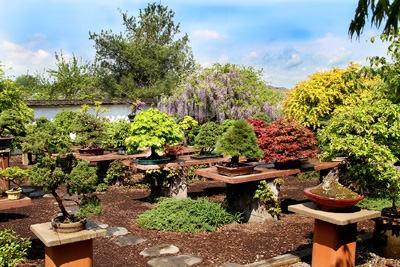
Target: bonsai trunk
column 234, row 161
column 154, row 154
column 66, row 215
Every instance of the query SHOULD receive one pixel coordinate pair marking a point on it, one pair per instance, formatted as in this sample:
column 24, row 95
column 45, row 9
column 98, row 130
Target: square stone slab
column 334, row 217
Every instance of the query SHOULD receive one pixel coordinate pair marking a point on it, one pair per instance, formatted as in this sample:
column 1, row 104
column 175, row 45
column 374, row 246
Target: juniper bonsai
column 239, row 140
column 207, row 137
column 55, row 171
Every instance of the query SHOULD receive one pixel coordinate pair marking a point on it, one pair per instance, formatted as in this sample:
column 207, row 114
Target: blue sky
column 289, row 39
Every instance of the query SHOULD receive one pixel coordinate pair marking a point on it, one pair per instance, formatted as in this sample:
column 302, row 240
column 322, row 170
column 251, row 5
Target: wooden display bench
column 243, row 185
column 68, row 250
column 334, row 234
column 178, row 189
column 6, row 203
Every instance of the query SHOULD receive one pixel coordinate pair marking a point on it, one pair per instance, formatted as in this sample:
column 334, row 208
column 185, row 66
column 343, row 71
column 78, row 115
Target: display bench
column 6, row 203
column 245, row 185
column 177, row 189
column 68, row 249
column 334, row 233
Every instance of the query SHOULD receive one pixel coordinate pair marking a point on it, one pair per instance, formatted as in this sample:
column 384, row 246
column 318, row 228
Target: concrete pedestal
column 68, row 250
column 334, row 234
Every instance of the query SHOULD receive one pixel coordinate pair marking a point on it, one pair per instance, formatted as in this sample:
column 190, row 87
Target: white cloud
column 208, row 35
column 254, row 54
column 294, row 61
column 19, row 59
column 223, row 59
column 339, row 56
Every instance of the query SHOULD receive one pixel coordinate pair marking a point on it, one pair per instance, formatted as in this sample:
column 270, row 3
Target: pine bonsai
column 155, row 129
column 239, row 140
column 207, row 137
column 89, row 129
column 61, row 170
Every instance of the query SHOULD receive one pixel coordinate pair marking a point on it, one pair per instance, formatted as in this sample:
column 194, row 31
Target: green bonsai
column 52, row 172
column 207, row 137
column 116, row 134
column 187, row 125
column 369, row 136
column 239, row 140
column 155, row 129
column 89, row 129
column 15, row 175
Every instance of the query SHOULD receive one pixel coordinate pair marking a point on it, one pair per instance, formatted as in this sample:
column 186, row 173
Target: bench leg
column 78, row 254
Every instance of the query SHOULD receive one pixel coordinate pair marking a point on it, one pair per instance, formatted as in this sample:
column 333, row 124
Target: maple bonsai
column 286, row 140
column 239, row 140
column 155, row 129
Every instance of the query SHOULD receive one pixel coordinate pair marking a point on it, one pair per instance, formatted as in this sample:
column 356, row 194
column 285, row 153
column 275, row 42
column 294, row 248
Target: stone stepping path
column 116, row 231
column 160, row 250
column 175, row 261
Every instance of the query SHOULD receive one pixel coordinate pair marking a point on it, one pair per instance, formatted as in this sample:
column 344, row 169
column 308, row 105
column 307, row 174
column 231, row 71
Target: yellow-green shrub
column 313, row 102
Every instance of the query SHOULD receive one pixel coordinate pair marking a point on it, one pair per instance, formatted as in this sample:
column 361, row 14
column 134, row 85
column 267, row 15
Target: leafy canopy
column 153, row 128
column 313, row 102
column 146, row 54
column 207, row 137
column 369, row 135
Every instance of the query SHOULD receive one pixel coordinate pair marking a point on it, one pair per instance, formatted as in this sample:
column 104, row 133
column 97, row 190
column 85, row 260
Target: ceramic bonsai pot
column 206, row 156
column 147, row 161
column 14, row 194
column 331, row 203
column 386, row 234
column 235, row 171
column 291, row 164
column 91, row 151
column 60, row 227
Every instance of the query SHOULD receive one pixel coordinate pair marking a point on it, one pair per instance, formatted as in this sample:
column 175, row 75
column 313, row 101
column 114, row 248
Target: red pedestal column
column 334, row 245
column 77, row 254
column 4, row 164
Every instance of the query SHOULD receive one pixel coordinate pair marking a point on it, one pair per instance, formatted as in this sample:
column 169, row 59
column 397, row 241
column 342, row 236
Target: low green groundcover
column 187, row 215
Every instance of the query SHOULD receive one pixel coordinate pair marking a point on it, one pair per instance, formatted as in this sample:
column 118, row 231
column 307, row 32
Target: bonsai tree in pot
column 239, row 140
column 207, row 138
column 187, row 124
column 61, row 171
column 135, row 106
column 116, row 134
column 369, row 137
column 155, row 129
column 286, row 141
column 89, row 130
column 17, row 176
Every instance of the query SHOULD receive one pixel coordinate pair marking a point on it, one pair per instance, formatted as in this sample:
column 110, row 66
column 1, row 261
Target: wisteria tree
column 222, row 92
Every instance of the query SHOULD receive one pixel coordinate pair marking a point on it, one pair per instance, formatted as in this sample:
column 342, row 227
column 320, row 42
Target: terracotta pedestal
column 4, row 163
column 68, row 250
column 334, row 234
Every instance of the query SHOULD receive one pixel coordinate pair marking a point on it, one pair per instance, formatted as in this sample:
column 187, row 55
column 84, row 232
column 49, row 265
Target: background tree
column 146, row 56
column 380, row 11
column 313, row 102
column 222, row 92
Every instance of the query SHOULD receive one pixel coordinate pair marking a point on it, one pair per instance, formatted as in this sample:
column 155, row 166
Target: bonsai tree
column 64, row 120
column 135, row 106
column 239, row 140
column 64, row 170
column 116, row 134
column 187, row 125
column 286, row 140
column 155, row 129
column 207, row 137
column 89, row 129
column 15, row 175
column 262, row 116
column 369, row 136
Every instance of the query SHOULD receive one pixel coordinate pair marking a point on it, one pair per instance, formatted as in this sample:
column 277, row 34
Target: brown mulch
column 239, row 243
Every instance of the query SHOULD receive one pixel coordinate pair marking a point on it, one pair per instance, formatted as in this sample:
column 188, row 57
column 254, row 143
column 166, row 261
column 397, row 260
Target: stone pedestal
column 6, row 203
column 68, row 250
column 334, row 234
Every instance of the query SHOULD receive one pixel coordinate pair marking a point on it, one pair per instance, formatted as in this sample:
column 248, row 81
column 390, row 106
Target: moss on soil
column 335, row 190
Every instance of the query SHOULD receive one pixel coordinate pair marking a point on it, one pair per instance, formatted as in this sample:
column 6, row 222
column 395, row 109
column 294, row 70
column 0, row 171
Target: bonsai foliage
column 14, row 174
column 89, row 129
column 155, row 129
column 262, row 116
column 173, row 151
column 116, row 133
column 259, row 126
column 369, row 136
column 13, row 248
column 64, row 120
column 313, row 102
column 286, row 140
column 187, row 124
column 51, row 172
column 207, row 137
column 239, row 140
column 222, row 92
